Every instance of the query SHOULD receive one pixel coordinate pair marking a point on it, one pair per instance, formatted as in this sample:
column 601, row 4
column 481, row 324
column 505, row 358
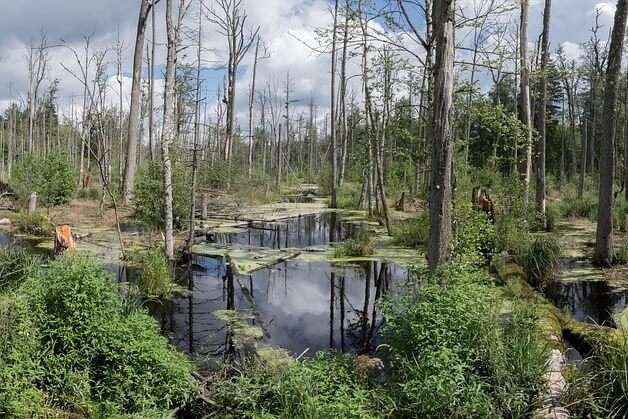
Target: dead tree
column 604, row 250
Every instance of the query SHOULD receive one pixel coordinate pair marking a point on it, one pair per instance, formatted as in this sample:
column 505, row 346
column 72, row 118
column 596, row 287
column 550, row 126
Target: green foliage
column 474, row 240
column 573, row 207
column 360, row 245
column 348, row 196
column 541, row 260
column 413, row 232
column 36, row 224
column 16, row 264
column 511, row 235
column 552, row 213
column 148, row 198
column 93, row 193
column 52, row 177
column 155, row 278
column 453, row 357
column 620, row 215
column 324, row 387
column 70, row 339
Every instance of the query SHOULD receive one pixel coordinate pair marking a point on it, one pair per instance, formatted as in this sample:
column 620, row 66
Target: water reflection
column 299, row 305
column 297, row 232
column 588, row 301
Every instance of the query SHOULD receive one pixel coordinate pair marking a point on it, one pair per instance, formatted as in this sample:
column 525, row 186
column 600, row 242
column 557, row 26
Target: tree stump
column 204, row 204
column 32, row 203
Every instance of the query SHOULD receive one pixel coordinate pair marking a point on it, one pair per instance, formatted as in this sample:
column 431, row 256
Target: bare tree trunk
column 440, row 185
column 169, row 129
column 334, row 151
column 541, row 144
column 583, row 163
column 343, row 96
column 251, row 103
column 525, row 116
column 151, row 110
column 134, row 110
column 604, row 251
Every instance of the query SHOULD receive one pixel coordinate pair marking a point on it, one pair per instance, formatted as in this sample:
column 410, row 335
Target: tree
column 604, row 252
column 440, row 182
column 542, row 113
column 334, row 151
column 169, row 130
column 134, row 110
column 525, row 113
column 230, row 19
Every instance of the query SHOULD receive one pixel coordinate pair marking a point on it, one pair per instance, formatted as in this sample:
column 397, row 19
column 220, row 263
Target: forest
column 314, row 209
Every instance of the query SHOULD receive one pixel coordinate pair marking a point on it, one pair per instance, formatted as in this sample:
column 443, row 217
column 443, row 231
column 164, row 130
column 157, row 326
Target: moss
column 243, row 333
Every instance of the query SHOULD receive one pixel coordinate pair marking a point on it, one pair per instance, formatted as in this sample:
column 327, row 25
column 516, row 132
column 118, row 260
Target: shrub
column 450, row 352
column 155, row 278
column 474, row 239
column 541, row 260
column 148, row 201
column 552, row 213
column 413, row 232
column 573, row 207
column 94, row 193
column 324, row 387
column 511, row 235
column 620, row 215
column 360, row 245
column 52, row 177
column 36, row 224
column 83, row 354
column 15, row 265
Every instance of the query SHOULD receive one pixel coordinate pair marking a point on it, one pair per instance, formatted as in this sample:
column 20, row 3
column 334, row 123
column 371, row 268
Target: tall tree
column 134, row 110
column 440, row 183
column 542, row 112
column 334, row 151
column 604, row 251
column 525, row 113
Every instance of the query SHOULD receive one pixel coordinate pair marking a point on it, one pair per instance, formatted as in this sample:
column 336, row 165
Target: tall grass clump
column 154, row 274
column 358, row 246
column 323, row 387
column 585, row 207
column 541, row 260
column 70, row 350
column 413, row 232
column 511, row 235
column 36, row 224
column 15, row 265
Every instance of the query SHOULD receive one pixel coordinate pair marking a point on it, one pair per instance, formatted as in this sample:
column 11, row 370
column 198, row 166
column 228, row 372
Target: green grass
column 541, row 260
column 155, row 276
column 36, row 224
column 413, row 232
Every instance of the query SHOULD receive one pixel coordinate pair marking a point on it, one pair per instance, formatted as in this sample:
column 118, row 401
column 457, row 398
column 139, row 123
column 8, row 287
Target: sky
column 286, row 26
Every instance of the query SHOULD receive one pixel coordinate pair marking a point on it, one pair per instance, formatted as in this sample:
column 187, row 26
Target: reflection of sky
column 292, row 304
column 588, row 301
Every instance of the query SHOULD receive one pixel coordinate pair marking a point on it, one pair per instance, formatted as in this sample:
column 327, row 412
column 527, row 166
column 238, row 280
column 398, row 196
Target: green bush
column 52, row 177
column 36, row 224
column 511, row 235
column 155, row 278
column 453, row 357
column 15, row 265
column 324, row 387
column 413, row 232
column 620, row 215
column 573, row 207
column 93, row 193
column 360, row 245
column 541, row 260
column 70, row 339
column 474, row 238
column 148, row 198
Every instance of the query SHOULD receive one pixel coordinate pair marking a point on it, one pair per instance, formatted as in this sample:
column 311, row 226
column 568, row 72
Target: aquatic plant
column 36, row 224
column 358, row 246
column 413, row 232
column 70, row 348
column 474, row 236
column 155, row 276
column 541, row 260
column 15, row 265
